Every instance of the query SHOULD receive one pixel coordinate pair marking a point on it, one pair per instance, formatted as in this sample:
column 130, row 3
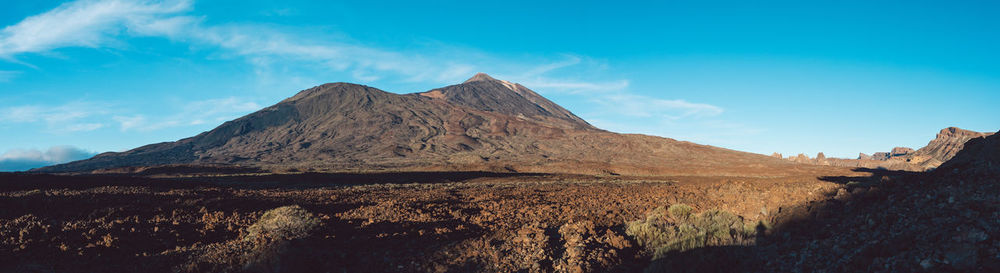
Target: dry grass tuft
column 283, row 223
column 677, row 228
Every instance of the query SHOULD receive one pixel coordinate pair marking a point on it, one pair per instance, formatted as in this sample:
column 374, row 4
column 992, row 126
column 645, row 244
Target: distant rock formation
column 942, row 148
column 776, row 155
column 900, row 151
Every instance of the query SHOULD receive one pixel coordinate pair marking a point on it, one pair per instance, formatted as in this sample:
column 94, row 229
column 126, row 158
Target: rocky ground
column 837, row 220
column 946, row 221
column 915, row 222
column 409, row 222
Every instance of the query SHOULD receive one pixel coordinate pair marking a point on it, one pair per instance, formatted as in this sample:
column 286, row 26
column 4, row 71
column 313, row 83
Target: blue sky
column 839, row 77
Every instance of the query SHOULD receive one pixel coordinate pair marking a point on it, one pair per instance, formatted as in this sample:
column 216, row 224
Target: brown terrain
column 487, row 176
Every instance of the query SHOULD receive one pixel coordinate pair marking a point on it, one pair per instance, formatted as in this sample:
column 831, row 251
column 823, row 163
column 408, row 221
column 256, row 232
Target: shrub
column 283, row 223
column 680, row 211
column 682, row 230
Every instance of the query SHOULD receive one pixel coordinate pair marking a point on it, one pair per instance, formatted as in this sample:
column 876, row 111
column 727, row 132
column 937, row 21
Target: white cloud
column 53, row 154
column 98, row 23
column 89, row 23
column 24, row 159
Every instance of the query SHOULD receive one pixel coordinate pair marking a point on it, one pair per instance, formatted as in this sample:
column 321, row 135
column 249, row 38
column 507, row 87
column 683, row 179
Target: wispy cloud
column 90, row 23
column 212, row 111
column 575, row 87
column 104, row 23
column 643, row 106
column 83, row 127
column 131, row 122
column 69, row 117
column 80, row 116
column 24, row 159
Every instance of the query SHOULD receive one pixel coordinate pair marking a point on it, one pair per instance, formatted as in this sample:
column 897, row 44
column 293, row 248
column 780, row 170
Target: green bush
column 679, row 229
column 283, row 223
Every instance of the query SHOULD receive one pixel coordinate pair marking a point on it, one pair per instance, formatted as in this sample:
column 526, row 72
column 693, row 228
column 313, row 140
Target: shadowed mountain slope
column 944, row 147
column 482, row 124
column 979, row 155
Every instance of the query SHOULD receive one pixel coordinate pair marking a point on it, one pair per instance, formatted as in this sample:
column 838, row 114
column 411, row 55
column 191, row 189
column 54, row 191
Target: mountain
column 485, row 93
column 483, row 124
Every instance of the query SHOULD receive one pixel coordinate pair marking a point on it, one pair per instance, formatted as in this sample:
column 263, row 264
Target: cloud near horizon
column 82, row 116
column 75, row 116
column 25, row 159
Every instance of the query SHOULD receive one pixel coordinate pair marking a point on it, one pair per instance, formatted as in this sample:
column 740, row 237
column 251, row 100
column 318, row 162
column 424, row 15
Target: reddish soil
column 410, row 222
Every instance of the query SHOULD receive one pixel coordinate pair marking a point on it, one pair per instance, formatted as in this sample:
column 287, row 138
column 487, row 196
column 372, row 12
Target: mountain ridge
column 482, row 125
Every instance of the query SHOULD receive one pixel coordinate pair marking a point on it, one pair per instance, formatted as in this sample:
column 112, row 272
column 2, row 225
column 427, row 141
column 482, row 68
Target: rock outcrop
column 900, row 151
column 942, row 148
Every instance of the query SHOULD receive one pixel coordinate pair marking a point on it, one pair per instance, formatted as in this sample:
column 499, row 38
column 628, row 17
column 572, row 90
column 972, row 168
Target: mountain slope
column 482, row 124
column 943, row 147
column 485, row 93
column 980, row 155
